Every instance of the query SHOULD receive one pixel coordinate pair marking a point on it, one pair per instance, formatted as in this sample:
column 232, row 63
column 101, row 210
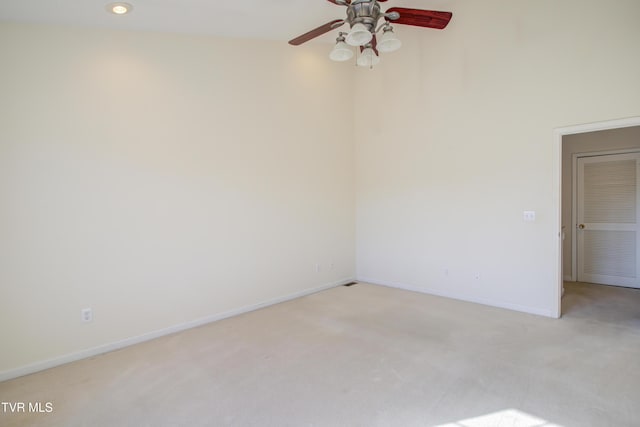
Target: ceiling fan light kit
column 341, row 51
column 363, row 17
column 359, row 35
column 368, row 58
column 388, row 41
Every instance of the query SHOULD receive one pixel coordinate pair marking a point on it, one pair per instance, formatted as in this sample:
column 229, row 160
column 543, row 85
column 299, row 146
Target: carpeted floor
column 363, row 356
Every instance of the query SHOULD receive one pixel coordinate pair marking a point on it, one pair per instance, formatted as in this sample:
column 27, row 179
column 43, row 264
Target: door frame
column 558, row 134
column 574, row 199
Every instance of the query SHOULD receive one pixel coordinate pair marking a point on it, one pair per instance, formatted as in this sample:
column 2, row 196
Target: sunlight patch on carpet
column 506, row 418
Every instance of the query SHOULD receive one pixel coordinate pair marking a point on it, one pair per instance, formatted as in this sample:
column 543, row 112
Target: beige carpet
column 364, row 356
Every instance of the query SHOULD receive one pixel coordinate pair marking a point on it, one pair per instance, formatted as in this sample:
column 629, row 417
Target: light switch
column 529, row 216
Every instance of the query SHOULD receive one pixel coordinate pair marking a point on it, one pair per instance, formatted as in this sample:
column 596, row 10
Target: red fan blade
column 316, row 32
column 421, row 18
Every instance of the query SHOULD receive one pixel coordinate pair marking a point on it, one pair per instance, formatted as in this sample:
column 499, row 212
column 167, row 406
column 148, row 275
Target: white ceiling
column 253, row 19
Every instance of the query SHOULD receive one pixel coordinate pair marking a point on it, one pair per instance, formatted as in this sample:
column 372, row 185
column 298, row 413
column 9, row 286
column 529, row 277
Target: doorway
column 601, row 138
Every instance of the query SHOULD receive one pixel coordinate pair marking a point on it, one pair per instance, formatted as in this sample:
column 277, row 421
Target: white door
column 607, row 219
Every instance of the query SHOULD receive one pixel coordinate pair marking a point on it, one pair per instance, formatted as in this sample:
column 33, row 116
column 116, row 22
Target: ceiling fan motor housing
column 366, row 13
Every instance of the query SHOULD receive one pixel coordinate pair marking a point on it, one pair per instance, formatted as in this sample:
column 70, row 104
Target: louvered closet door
column 607, row 214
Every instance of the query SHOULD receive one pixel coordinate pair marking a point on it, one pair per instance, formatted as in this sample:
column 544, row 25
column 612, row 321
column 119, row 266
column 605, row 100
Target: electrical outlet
column 318, row 268
column 477, row 276
column 87, row 315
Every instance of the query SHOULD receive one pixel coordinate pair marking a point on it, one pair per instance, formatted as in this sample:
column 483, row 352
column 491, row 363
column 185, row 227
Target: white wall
column 590, row 142
column 161, row 179
column 466, row 143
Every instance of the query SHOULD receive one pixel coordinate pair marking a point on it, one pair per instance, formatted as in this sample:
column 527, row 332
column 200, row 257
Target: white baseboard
column 453, row 295
column 106, row 348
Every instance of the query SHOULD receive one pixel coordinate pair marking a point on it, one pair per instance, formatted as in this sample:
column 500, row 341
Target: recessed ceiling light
column 119, row 8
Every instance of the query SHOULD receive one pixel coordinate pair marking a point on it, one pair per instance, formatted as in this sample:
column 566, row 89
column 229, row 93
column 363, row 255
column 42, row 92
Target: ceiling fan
column 363, row 17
